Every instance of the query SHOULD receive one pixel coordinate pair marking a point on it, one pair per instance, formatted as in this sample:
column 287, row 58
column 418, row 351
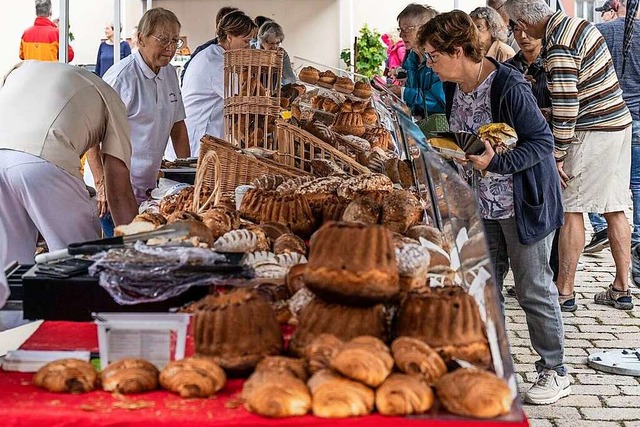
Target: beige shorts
column 600, row 164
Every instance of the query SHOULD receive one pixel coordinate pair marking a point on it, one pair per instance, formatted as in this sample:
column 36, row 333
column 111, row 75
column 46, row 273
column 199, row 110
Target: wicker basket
column 252, row 80
column 237, row 168
column 297, row 148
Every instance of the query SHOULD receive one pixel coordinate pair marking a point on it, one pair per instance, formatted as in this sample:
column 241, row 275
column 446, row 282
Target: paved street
column 598, row 399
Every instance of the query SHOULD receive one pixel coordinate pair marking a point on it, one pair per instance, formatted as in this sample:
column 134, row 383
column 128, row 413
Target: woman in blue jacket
column 105, row 51
column 519, row 193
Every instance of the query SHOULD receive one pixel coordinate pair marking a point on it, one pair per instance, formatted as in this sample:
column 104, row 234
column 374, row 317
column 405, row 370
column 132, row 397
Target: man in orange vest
column 40, row 42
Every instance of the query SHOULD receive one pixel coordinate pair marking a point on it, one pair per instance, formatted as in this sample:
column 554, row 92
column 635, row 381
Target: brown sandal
column 621, row 300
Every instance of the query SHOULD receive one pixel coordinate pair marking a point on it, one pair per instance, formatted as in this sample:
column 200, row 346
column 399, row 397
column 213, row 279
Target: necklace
column 479, row 73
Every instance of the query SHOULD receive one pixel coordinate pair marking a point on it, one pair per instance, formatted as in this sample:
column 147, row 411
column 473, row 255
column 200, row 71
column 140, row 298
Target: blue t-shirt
column 105, row 56
column 613, row 33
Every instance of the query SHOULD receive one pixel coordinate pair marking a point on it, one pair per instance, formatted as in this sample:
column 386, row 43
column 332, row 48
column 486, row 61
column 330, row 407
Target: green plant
column 370, row 53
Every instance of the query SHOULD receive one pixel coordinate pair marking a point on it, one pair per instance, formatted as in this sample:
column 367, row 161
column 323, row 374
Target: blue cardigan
column 422, row 88
column 536, row 185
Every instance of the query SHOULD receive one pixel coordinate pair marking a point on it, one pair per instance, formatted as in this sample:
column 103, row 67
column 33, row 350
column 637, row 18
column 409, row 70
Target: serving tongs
column 169, row 231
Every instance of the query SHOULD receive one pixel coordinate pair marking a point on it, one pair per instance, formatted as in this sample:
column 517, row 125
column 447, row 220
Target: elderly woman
column 203, row 84
column 149, row 88
column 422, row 91
column 270, row 36
column 519, row 197
column 493, row 33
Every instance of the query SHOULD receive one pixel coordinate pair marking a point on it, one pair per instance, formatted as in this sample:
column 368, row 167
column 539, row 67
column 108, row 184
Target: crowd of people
column 570, row 90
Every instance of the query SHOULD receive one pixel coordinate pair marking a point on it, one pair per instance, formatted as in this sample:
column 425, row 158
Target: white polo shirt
column 203, row 92
column 154, row 105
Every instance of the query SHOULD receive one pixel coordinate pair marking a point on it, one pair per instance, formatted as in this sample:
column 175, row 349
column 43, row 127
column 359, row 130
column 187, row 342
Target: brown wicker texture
column 237, row 168
column 208, row 177
column 252, row 80
column 297, row 148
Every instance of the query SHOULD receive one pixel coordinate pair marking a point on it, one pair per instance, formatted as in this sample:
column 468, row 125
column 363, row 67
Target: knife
column 169, row 231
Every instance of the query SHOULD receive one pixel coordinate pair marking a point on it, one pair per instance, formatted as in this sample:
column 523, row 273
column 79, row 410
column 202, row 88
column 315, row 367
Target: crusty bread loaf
column 326, row 79
column 309, row 75
column 289, row 243
column 362, row 209
column 401, row 210
column 344, row 85
column 362, row 90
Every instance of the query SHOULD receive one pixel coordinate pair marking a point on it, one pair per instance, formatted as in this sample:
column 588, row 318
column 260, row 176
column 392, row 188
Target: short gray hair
column 269, row 30
column 528, row 11
column 43, row 8
column 496, row 25
column 417, row 12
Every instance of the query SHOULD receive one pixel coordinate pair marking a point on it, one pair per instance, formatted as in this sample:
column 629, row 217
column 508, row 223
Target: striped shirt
column 585, row 93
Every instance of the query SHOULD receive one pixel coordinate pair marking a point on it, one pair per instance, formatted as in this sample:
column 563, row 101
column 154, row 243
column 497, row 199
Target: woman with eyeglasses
column 148, row 86
column 493, row 33
column 519, row 190
column 422, row 90
column 270, row 36
column 203, row 84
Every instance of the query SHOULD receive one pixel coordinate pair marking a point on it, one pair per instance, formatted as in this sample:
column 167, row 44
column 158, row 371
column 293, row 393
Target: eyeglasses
column 271, row 44
column 165, row 43
column 405, row 30
column 430, row 57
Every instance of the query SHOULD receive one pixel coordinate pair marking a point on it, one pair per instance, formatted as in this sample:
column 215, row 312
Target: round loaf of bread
column 401, row 210
column 362, row 90
column 309, row 75
column 344, row 85
column 362, row 209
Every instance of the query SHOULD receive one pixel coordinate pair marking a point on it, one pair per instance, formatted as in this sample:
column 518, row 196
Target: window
column 586, row 9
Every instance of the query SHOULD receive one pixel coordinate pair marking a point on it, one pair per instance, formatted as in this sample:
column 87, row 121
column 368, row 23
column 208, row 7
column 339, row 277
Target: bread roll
column 271, row 394
column 67, row 376
column 474, row 393
column 193, row 377
column 416, row 358
column 364, row 359
column 334, row 396
column 403, row 395
column 128, row 376
column 289, row 243
column 362, row 209
column 285, row 366
column 401, row 210
column 321, row 351
column 309, row 75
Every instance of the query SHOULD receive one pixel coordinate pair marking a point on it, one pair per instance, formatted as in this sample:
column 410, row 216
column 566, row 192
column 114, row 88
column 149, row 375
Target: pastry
column 345, row 322
column 273, row 230
column 416, row 358
column 344, row 85
column 364, row 359
column 374, row 185
column 369, row 116
column 321, row 351
column 334, row 396
column 379, row 137
column 448, row 319
column 326, row 79
column 272, row 394
column 220, row 220
column 295, row 278
column 402, row 395
column 401, row 210
column 363, row 210
column 129, row 376
column 285, row 366
column 237, row 329
column 350, row 262
column 474, row 393
column 237, row 241
column 67, row 376
column 309, row 75
column 362, row 90
column 330, row 106
column 198, row 232
column 289, row 243
column 193, row 377
column 133, row 228
column 349, row 123
column 413, row 266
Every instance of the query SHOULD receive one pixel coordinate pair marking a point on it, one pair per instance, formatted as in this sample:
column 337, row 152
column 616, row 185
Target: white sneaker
column 548, row 388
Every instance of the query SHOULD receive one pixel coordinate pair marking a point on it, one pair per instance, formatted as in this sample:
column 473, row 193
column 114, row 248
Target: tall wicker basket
column 252, row 79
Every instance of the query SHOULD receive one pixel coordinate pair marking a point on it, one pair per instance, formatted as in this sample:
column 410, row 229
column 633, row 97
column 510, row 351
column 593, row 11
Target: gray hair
column 417, row 12
column 528, row 11
column 270, row 30
column 156, row 18
column 496, row 25
column 43, row 8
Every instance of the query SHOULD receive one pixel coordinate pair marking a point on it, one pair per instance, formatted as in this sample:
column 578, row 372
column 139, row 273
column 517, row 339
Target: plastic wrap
column 145, row 273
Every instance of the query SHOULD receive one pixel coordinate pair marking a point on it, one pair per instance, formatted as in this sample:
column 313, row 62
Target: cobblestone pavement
column 597, row 399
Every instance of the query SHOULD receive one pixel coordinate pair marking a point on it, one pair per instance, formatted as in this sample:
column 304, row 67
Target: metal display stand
column 619, row 362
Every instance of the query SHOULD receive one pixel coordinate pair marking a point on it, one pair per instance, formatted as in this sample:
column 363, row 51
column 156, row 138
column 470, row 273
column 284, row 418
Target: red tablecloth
column 22, row 404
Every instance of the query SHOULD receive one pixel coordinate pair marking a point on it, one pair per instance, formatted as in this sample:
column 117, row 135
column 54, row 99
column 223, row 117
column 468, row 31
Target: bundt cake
column 379, row 137
column 449, row 321
column 349, row 123
column 291, row 210
column 352, row 263
column 345, row 322
column 236, row 329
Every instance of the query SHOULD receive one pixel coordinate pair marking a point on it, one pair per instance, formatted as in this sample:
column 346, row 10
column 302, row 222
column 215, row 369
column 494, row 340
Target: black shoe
column 511, row 291
column 635, row 265
column 598, row 242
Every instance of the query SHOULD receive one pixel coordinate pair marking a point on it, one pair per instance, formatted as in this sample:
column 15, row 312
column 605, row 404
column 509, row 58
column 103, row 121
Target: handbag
column 436, row 122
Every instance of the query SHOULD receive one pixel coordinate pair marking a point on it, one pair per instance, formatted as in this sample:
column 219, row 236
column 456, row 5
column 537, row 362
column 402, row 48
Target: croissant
column 67, row 376
column 193, row 377
column 128, row 376
column 321, row 351
column 271, row 394
column 416, row 358
column 334, row 396
column 236, row 241
column 364, row 359
column 403, row 395
column 474, row 393
column 284, row 365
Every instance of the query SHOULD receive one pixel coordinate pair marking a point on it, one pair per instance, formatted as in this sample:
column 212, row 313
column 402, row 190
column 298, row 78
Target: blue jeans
column 536, row 292
column 597, row 221
column 107, row 225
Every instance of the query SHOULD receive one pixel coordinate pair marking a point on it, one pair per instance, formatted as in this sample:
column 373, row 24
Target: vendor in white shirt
column 52, row 114
column 203, row 84
column 149, row 88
